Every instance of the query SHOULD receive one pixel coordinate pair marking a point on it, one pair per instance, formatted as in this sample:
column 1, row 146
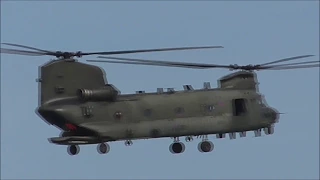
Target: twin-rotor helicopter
column 76, row 98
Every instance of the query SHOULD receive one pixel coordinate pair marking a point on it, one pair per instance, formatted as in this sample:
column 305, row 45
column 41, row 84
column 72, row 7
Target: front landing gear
column 73, row 150
column 103, row 148
column 205, row 146
column 269, row 130
column 177, row 147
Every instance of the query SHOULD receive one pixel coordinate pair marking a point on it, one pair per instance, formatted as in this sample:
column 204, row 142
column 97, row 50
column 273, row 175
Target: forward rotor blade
column 144, row 63
column 293, row 67
column 150, row 50
column 168, row 63
column 205, row 66
column 286, row 59
column 21, row 52
column 27, row 47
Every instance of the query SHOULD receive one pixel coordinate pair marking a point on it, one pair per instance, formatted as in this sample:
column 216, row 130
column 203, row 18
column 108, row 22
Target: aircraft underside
column 177, row 147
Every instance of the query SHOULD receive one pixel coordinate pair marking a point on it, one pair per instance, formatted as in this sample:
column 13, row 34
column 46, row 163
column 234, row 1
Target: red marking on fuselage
column 71, row 127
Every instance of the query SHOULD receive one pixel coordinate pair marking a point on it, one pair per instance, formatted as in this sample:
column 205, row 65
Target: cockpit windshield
column 259, row 100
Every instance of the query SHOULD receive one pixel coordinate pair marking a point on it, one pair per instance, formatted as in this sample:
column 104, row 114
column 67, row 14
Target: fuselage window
column 147, row 112
column 118, row 115
column 179, row 110
column 210, row 108
column 239, row 107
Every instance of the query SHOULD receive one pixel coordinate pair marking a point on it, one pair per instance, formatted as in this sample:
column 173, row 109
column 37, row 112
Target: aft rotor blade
column 286, row 59
column 145, row 63
column 150, row 50
column 66, row 55
column 290, row 64
column 21, row 52
column 293, row 67
column 27, row 47
column 168, row 63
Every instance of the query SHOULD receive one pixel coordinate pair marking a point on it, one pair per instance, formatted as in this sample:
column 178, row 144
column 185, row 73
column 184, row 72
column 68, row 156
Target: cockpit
column 241, row 106
column 255, row 106
column 260, row 101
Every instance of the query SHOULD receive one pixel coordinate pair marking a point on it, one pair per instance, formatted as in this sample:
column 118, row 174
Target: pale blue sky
column 251, row 32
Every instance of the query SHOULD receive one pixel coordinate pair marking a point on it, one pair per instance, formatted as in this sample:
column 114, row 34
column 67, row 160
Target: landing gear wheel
column 269, row 130
column 103, row 148
column 205, row 146
column 73, row 150
column 177, row 148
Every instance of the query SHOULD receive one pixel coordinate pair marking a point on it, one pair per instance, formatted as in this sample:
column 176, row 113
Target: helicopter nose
column 274, row 114
column 271, row 114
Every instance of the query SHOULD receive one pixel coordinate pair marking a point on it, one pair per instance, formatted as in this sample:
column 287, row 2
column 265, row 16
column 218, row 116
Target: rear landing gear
column 73, row 150
column 103, row 148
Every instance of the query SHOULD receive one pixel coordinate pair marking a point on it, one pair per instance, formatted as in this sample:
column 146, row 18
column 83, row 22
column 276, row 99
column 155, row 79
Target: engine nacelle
column 107, row 93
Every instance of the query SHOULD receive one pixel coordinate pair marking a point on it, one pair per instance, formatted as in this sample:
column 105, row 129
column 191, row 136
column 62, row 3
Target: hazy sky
column 251, row 32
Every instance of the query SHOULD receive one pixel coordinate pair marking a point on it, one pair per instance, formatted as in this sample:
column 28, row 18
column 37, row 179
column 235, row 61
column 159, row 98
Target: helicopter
column 76, row 98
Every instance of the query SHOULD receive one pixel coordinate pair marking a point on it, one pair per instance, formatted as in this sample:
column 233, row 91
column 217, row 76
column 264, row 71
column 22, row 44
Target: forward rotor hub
column 67, row 55
column 246, row 67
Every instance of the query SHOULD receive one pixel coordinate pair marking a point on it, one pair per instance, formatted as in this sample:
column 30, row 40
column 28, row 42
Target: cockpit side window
column 239, row 107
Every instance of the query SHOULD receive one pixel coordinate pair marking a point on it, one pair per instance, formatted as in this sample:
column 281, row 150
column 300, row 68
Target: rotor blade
column 286, row 59
column 145, row 63
column 66, row 55
column 168, row 63
column 27, row 47
column 150, row 50
column 21, row 52
column 293, row 67
column 289, row 64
